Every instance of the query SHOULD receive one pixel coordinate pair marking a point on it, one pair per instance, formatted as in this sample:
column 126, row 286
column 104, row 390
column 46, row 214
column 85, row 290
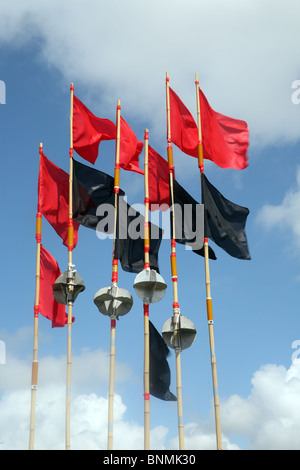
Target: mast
column 207, row 283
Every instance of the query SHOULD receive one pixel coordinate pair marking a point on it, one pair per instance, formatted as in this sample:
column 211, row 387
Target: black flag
column 129, row 246
column 186, row 223
column 91, row 188
column 224, row 221
column 159, row 373
column 94, row 190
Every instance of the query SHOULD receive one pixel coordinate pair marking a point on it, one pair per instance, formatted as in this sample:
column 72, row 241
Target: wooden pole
column 146, row 306
column 70, row 268
column 208, row 292
column 34, row 377
column 114, row 283
column 111, row 383
column 176, row 309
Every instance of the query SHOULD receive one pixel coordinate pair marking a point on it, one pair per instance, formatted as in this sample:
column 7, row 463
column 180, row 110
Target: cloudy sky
column 246, row 56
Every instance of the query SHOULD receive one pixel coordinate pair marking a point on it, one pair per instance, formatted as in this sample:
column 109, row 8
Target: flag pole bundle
column 150, row 287
column 53, row 200
column 34, row 378
column 223, row 140
column 68, row 285
column 70, row 268
column 208, row 291
column 114, row 301
column 176, row 310
column 114, row 283
column 146, row 306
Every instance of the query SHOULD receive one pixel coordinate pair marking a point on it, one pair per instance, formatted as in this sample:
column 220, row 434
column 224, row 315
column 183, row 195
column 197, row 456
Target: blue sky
column 245, row 54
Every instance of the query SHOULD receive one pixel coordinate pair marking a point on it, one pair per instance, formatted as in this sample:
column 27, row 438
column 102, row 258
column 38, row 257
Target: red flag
column 53, row 199
column 158, row 176
column 184, row 130
column 48, row 306
column 225, row 140
column 130, row 149
column 89, row 131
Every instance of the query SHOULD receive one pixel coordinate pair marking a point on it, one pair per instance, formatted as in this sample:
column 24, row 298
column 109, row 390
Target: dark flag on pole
column 224, row 221
column 187, row 214
column 159, row 375
column 129, row 247
column 91, row 188
column 93, row 207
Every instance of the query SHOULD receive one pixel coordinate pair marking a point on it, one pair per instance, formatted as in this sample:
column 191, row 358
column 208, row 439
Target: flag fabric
column 91, row 189
column 159, row 370
column 225, row 139
column 187, row 231
column 158, row 177
column 224, row 221
column 48, row 306
column 129, row 246
column 130, row 149
column 184, row 130
column 189, row 219
column 53, row 198
column 89, row 131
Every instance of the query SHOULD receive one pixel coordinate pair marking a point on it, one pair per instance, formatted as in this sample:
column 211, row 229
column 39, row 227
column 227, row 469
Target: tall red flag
column 184, row 130
column 225, row 140
column 53, row 198
column 158, row 176
column 130, row 149
column 89, row 131
column 48, row 306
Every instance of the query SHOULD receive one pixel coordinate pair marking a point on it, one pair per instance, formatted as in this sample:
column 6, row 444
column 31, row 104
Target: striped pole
column 146, row 306
column 208, row 292
column 70, row 268
column 176, row 309
column 34, row 377
column 114, row 280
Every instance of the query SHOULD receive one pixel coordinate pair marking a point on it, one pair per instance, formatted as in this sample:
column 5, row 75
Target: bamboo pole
column 111, row 383
column 34, row 377
column 70, row 268
column 208, row 290
column 114, row 283
column 146, row 306
column 176, row 309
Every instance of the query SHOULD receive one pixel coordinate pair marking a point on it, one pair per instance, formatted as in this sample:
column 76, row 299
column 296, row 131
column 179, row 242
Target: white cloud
column 245, row 55
column 284, row 216
column 267, row 419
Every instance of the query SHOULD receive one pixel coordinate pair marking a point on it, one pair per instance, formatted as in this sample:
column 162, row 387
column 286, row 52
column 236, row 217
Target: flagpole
column 146, row 306
column 114, row 283
column 208, row 290
column 70, row 269
column 176, row 309
column 34, row 377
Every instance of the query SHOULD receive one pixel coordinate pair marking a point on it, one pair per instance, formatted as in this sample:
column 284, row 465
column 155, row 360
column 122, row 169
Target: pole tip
column 41, row 147
column 72, row 87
